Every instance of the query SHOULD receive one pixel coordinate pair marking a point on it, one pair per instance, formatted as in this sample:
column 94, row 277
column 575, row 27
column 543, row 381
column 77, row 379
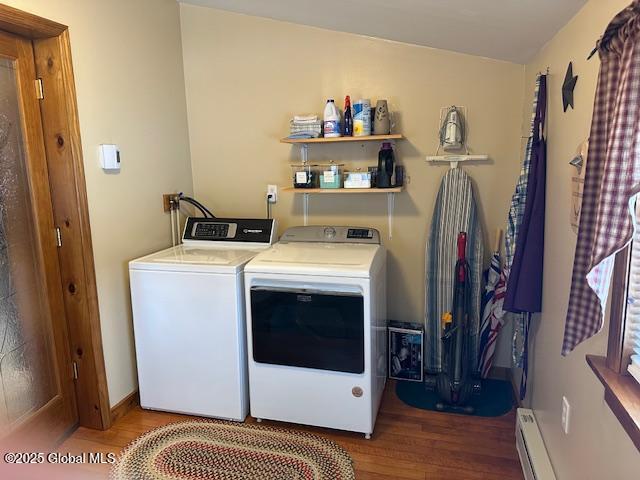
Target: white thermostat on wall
column 109, row 157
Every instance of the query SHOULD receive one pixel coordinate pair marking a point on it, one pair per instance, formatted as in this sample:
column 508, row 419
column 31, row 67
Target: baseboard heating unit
column 531, row 450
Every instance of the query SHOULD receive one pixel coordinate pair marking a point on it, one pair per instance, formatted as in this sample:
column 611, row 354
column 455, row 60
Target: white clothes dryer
column 317, row 328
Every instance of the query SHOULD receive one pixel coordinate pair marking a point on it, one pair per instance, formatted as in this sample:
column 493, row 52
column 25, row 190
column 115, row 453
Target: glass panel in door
column 27, row 364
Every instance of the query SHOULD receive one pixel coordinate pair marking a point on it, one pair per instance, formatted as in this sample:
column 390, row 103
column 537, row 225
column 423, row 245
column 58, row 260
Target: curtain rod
column 620, row 20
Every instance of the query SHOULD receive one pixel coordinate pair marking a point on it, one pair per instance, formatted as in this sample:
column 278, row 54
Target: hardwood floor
column 408, row 443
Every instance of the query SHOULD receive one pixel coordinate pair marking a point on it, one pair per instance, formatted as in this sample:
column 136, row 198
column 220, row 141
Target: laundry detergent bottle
column 385, row 166
column 331, row 120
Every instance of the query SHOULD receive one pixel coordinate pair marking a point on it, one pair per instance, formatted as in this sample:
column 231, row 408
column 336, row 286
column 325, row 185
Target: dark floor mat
column 494, row 400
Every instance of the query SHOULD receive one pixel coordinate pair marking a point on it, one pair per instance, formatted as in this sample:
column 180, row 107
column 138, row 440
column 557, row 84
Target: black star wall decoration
column 567, row 87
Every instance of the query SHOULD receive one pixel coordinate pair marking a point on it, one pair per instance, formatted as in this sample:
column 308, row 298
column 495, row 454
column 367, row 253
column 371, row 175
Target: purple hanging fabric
column 524, row 286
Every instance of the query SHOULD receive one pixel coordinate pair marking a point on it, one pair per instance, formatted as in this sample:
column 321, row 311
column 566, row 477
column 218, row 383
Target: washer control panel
column 238, row 230
column 213, row 231
column 331, row 234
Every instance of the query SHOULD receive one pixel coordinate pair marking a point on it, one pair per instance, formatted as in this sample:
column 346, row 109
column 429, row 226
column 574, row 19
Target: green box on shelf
column 331, row 175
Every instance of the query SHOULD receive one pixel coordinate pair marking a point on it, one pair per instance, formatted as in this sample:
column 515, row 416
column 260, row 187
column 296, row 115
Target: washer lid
column 195, row 259
column 326, row 259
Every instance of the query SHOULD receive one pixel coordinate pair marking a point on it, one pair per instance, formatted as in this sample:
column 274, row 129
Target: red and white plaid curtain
column 612, row 178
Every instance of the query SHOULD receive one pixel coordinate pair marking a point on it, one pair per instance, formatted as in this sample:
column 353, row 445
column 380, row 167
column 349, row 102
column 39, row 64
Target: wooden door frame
column 58, row 108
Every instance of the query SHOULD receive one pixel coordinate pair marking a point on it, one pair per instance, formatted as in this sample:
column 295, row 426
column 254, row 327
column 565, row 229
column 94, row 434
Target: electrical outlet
column 273, row 191
column 566, row 415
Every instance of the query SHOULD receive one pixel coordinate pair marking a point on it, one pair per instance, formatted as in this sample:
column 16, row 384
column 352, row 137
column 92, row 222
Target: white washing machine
column 188, row 318
column 316, row 324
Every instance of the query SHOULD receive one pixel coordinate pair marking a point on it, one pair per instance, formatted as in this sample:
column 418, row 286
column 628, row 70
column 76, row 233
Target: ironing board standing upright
column 455, row 211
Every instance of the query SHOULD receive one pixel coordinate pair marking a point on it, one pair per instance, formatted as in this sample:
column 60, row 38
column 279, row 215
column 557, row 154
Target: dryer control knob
column 329, row 232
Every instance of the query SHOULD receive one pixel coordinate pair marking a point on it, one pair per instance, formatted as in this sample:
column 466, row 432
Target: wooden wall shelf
column 342, row 191
column 306, row 193
column 368, row 138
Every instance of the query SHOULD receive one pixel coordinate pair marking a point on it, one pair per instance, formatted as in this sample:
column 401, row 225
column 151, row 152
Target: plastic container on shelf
column 362, row 118
column 331, row 120
column 305, row 175
column 331, row 175
column 357, row 179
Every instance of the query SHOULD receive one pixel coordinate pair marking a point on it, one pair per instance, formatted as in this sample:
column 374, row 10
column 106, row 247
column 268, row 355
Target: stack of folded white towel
column 305, row 126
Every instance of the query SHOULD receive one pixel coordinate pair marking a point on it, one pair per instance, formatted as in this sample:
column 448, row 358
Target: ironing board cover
column 455, row 211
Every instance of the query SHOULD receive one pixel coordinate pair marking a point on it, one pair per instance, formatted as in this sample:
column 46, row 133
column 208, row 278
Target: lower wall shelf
column 306, row 192
column 342, row 191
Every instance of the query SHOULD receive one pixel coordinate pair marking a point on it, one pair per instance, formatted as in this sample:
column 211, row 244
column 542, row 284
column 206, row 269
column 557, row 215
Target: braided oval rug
column 211, row 449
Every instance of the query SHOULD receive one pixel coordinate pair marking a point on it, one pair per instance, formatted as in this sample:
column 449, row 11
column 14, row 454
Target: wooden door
column 36, row 376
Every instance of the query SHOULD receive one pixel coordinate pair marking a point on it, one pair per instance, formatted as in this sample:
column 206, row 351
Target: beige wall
column 597, row 447
column 129, row 77
column 246, row 76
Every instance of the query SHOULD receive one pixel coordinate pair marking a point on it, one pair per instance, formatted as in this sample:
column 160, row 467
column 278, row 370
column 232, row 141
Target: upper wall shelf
column 368, row 138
